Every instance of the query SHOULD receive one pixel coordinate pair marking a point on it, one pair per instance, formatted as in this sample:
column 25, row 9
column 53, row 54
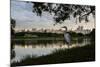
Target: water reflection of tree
column 80, row 40
column 92, row 36
column 35, row 42
column 12, row 50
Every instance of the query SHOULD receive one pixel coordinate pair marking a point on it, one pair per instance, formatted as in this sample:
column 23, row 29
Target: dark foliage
column 39, row 34
column 62, row 12
column 13, row 24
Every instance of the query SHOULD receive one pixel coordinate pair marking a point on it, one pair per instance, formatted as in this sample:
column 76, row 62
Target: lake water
column 36, row 48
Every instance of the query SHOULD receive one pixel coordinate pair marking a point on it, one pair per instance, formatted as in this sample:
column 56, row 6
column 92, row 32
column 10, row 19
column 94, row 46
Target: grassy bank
column 79, row 54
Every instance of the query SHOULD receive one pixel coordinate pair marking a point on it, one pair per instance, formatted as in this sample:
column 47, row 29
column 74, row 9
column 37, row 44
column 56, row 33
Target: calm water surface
column 37, row 48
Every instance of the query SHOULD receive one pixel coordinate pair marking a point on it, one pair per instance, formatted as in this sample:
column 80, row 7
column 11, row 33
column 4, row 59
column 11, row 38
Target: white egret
column 67, row 36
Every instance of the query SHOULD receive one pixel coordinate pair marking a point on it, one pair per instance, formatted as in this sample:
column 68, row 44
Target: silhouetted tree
column 13, row 24
column 62, row 12
column 93, row 34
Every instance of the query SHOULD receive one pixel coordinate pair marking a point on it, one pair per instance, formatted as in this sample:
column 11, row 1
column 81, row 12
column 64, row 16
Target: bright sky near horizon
column 26, row 19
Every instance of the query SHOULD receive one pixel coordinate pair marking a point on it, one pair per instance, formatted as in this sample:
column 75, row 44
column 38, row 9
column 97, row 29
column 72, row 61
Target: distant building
column 41, row 30
column 33, row 30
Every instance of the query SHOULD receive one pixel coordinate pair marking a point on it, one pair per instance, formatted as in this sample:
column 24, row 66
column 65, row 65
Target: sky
column 26, row 19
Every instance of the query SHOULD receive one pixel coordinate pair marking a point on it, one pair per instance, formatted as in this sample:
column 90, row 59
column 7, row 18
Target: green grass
column 79, row 54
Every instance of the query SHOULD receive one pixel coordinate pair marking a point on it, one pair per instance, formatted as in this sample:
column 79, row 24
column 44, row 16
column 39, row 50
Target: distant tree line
column 47, row 34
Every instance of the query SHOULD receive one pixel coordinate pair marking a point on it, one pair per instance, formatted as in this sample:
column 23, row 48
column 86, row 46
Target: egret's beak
column 63, row 27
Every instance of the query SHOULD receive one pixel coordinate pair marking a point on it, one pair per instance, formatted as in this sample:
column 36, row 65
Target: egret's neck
column 65, row 31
